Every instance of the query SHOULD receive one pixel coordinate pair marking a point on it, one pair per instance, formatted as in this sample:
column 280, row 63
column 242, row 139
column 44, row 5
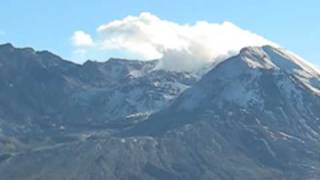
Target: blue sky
column 48, row 24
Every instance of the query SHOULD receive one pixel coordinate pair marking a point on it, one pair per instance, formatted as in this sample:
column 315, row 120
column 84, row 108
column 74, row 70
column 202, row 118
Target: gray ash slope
column 254, row 116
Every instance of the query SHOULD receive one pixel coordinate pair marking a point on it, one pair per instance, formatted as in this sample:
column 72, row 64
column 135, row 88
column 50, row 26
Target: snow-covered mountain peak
column 282, row 60
column 239, row 79
column 253, row 110
column 269, row 57
column 256, row 57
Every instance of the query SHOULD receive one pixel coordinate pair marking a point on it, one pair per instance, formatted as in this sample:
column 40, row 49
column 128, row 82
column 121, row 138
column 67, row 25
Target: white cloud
column 181, row 47
column 81, row 39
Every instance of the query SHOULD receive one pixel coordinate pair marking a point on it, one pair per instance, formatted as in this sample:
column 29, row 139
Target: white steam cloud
column 179, row 47
column 82, row 39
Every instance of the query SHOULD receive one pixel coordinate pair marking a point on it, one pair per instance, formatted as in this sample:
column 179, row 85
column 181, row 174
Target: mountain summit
column 253, row 116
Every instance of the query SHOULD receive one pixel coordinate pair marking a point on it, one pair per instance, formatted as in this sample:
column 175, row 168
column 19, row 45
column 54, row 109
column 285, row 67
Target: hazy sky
column 48, row 24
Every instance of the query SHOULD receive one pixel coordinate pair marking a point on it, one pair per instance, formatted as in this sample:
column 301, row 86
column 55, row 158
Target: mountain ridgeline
column 253, row 116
